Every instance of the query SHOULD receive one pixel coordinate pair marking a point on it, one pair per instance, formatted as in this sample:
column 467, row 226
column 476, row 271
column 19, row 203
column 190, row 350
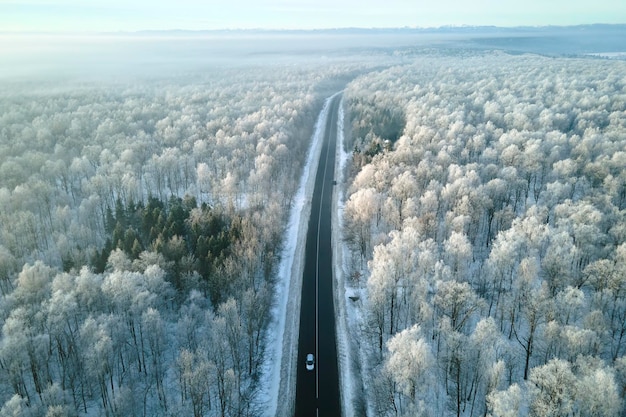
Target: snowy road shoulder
column 348, row 369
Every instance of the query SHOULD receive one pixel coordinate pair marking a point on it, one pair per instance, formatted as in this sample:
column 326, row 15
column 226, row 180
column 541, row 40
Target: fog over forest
column 146, row 180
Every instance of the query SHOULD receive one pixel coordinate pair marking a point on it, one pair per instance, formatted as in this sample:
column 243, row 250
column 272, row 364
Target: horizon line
column 293, row 30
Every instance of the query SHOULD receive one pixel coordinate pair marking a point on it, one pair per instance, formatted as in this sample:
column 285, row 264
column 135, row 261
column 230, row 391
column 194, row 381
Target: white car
column 310, row 362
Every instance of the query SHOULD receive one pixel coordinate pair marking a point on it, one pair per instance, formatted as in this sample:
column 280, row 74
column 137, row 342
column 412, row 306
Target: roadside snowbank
column 348, row 368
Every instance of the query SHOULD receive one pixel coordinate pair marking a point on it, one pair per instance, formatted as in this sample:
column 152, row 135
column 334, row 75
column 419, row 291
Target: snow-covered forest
column 485, row 217
column 140, row 227
column 142, row 212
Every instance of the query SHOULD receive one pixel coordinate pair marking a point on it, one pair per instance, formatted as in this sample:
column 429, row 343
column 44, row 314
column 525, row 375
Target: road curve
column 317, row 391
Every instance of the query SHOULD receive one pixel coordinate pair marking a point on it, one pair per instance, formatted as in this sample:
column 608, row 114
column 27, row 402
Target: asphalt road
column 317, row 391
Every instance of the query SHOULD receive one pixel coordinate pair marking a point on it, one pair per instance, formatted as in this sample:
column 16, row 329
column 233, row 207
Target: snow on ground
column 278, row 373
column 348, row 369
column 350, row 295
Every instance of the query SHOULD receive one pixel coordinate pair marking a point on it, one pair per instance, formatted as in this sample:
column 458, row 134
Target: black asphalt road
column 317, row 391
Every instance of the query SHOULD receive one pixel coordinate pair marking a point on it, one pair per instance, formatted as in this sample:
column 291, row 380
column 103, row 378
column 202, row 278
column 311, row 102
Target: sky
column 135, row 15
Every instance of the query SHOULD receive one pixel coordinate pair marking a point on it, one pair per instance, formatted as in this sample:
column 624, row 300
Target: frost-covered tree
column 551, row 389
column 409, row 364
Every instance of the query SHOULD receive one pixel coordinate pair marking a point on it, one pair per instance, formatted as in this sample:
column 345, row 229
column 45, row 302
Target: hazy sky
column 131, row 15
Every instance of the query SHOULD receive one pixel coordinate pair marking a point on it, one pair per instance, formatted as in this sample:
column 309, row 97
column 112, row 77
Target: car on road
column 310, row 362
